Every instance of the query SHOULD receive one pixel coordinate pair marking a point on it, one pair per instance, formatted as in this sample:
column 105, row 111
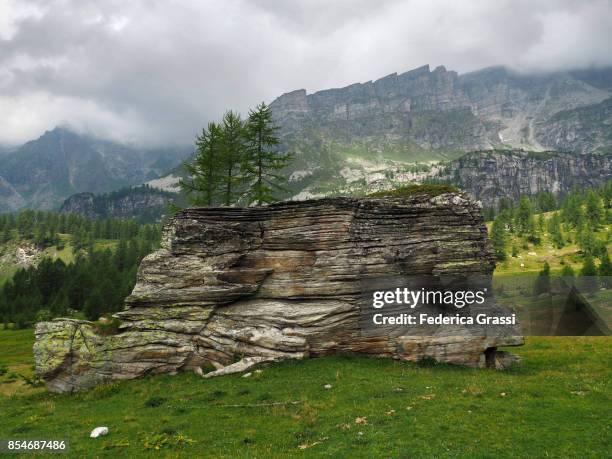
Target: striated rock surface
column 279, row 282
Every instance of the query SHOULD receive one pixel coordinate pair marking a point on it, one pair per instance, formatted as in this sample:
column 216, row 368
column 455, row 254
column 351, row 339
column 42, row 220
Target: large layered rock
column 279, row 282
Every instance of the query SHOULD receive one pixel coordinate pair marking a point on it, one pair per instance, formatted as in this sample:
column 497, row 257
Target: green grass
column 555, row 404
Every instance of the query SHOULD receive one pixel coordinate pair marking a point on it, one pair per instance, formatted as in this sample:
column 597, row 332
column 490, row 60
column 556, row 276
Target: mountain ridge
column 488, row 108
column 43, row 172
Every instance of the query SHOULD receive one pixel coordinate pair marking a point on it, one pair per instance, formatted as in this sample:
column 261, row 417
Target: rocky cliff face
column 441, row 111
column 143, row 203
column 490, row 175
column 280, row 282
column 351, row 139
column 10, row 199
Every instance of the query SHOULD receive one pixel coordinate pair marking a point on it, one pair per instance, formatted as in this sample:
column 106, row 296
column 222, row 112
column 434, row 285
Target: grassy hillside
column 65, row 252
column 555, row 404
column 530, row 258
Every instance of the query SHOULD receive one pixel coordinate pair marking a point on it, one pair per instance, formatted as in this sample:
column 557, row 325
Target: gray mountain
column 433, row 114
column 492, row 175
column 42, row 173
column 352, row 139
column 144, row 203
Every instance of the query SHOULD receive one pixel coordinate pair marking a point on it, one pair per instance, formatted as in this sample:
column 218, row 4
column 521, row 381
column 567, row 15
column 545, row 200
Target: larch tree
column 205, row 171
column 263, row 160
column 498, row 238
column 232, row 155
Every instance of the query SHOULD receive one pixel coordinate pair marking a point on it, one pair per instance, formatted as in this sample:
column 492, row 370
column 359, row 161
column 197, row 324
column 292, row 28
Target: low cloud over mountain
column 155, row 72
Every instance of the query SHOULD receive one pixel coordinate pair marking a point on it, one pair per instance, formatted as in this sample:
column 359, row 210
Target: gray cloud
column 154, row 72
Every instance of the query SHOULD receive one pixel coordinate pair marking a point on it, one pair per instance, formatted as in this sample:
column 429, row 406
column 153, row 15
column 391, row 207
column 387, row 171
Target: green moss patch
column 107, row 327
column 414, row 190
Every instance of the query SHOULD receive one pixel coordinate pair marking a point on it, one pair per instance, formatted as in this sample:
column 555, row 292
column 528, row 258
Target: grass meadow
column 556, row 403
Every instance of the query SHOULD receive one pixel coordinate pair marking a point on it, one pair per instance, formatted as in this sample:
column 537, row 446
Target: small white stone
column 98, row 432
column 328, row 386
column 247, row 375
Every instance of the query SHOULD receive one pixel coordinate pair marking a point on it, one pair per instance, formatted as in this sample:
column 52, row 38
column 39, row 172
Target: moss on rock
column 413, row 190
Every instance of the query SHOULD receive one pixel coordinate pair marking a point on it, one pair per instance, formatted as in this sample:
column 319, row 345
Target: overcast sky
column 156, row 71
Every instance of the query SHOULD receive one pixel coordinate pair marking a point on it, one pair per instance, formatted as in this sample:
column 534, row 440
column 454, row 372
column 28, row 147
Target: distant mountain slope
column 9, row 197
column 423, row 114
column 350, row 139
column 487, row 175
column 144, row 203
column 492, row 175
column 42, row 173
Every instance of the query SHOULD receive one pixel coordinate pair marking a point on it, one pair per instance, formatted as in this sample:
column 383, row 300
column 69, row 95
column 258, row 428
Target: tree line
column 44, row 228
column 95, row 283
column 575, row 219
column 237, row 162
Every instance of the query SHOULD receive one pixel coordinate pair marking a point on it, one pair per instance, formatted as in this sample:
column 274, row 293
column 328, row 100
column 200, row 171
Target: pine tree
column 542, row 284
column 524, row 217
column 202, row 187
column 588, row 274
column 554, row 229
column 232, row 154
column 498, row 239
column 94, row 306
column 605, row 271
column 572, row 209
column 5, row 236
column 586, row 239
column 567, row 271
column 546, row 201
column 120, row 255
column 262, row 159
column 594, row 209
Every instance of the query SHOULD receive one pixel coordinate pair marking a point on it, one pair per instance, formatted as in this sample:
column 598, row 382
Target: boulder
column 285, row 281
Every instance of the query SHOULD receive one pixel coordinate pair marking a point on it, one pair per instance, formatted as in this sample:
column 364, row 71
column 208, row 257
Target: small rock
column 98, row 432
column 258, row 372
column 247, row 375
column 503, row 394
column 328, row 386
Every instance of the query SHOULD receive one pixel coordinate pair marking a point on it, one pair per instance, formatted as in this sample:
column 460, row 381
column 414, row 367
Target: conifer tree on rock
column 232, row 155
column 202, row 186
column 263, row 161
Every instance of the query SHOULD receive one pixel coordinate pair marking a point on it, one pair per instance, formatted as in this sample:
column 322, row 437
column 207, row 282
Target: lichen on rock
column 277, row 282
